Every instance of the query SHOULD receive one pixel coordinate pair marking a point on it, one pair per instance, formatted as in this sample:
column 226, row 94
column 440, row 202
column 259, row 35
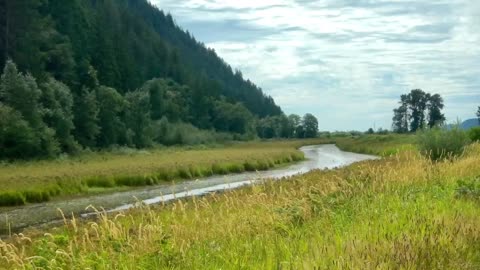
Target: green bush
column 168, row 133
column 441, row 143
column 474, row 134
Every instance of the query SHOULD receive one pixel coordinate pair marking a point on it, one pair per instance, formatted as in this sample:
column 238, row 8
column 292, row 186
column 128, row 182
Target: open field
column 39, row 181
column 401, row 212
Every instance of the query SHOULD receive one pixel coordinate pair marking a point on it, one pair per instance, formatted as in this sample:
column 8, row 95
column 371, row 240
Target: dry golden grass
column 402, row 212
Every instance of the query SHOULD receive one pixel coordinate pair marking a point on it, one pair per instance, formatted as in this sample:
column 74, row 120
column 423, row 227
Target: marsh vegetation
column 404, row 211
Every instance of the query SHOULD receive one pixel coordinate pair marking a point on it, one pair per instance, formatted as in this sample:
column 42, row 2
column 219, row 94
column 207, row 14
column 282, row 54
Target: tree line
column 418, row 110
column 100, row 73
column 45, row 119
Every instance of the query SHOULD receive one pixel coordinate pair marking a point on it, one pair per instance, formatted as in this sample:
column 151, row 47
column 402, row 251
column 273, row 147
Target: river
column 317, row 157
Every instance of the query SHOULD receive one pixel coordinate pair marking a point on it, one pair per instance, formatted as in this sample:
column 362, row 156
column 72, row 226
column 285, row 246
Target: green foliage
column 474, row 134
column 111, row 107
column 57, row 101
column 138, row 122
column 167, row 133
column 440, row 143
column 17, row 138
column 233, row 118
column 94, row 62
column 310, row 125
column 292, row 126
column 410, row 116
column 435, row 106
column 86, row 118
column 21, row 93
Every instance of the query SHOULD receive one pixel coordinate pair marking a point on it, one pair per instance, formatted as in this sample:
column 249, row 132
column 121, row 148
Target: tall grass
column 32, row 182
column 402, row 212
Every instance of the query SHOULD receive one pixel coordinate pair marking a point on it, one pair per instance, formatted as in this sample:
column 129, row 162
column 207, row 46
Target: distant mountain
column 467, row 124
column 470, row 123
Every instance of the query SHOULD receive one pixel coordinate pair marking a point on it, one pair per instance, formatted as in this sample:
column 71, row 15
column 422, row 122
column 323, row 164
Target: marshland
column 402, row 211
column 207, row 134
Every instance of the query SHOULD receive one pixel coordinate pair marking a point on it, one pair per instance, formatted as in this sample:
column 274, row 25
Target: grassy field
column 38, row 181
column 401, row 212
column 381, row 145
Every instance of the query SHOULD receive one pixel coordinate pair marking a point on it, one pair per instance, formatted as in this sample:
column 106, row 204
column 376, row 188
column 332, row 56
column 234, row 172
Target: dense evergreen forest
column 101, row 73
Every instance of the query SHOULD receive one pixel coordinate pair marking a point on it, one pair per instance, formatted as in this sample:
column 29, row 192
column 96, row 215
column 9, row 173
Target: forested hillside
column 99, row 73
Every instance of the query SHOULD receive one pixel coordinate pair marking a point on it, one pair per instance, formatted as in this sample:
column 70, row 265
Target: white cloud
column 345, row 61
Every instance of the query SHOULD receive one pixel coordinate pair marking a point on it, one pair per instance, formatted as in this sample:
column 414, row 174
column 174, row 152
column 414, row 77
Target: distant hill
column 467, row 124
column 127, row 42
column 105, row 73
column 470, row 123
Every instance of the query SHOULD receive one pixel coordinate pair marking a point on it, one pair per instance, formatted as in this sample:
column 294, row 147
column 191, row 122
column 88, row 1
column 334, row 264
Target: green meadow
column 401, row 212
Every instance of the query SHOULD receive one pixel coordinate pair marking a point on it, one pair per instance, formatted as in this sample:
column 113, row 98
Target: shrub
column 474, row 134
column 186, row 134
column 440, row 143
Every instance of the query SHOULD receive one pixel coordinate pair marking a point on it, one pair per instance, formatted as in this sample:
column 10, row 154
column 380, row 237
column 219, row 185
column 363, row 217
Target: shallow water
column 318, row 157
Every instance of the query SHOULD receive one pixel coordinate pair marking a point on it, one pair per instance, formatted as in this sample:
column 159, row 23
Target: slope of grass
column 402, row 212
column 39, row 181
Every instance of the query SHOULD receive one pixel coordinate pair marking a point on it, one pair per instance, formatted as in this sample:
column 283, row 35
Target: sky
column 345, row 61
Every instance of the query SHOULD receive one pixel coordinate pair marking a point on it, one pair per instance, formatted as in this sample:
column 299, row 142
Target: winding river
column 317, row 157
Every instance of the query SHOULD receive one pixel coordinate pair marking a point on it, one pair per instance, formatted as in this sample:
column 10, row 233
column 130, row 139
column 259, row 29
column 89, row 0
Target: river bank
column 316, row 157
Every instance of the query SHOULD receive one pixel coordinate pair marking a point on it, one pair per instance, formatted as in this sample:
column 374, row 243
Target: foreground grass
column 39, row 181
column 402, row 212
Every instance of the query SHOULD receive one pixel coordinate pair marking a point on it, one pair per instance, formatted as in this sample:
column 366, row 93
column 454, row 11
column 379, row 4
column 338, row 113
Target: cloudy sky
column 346, row 61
